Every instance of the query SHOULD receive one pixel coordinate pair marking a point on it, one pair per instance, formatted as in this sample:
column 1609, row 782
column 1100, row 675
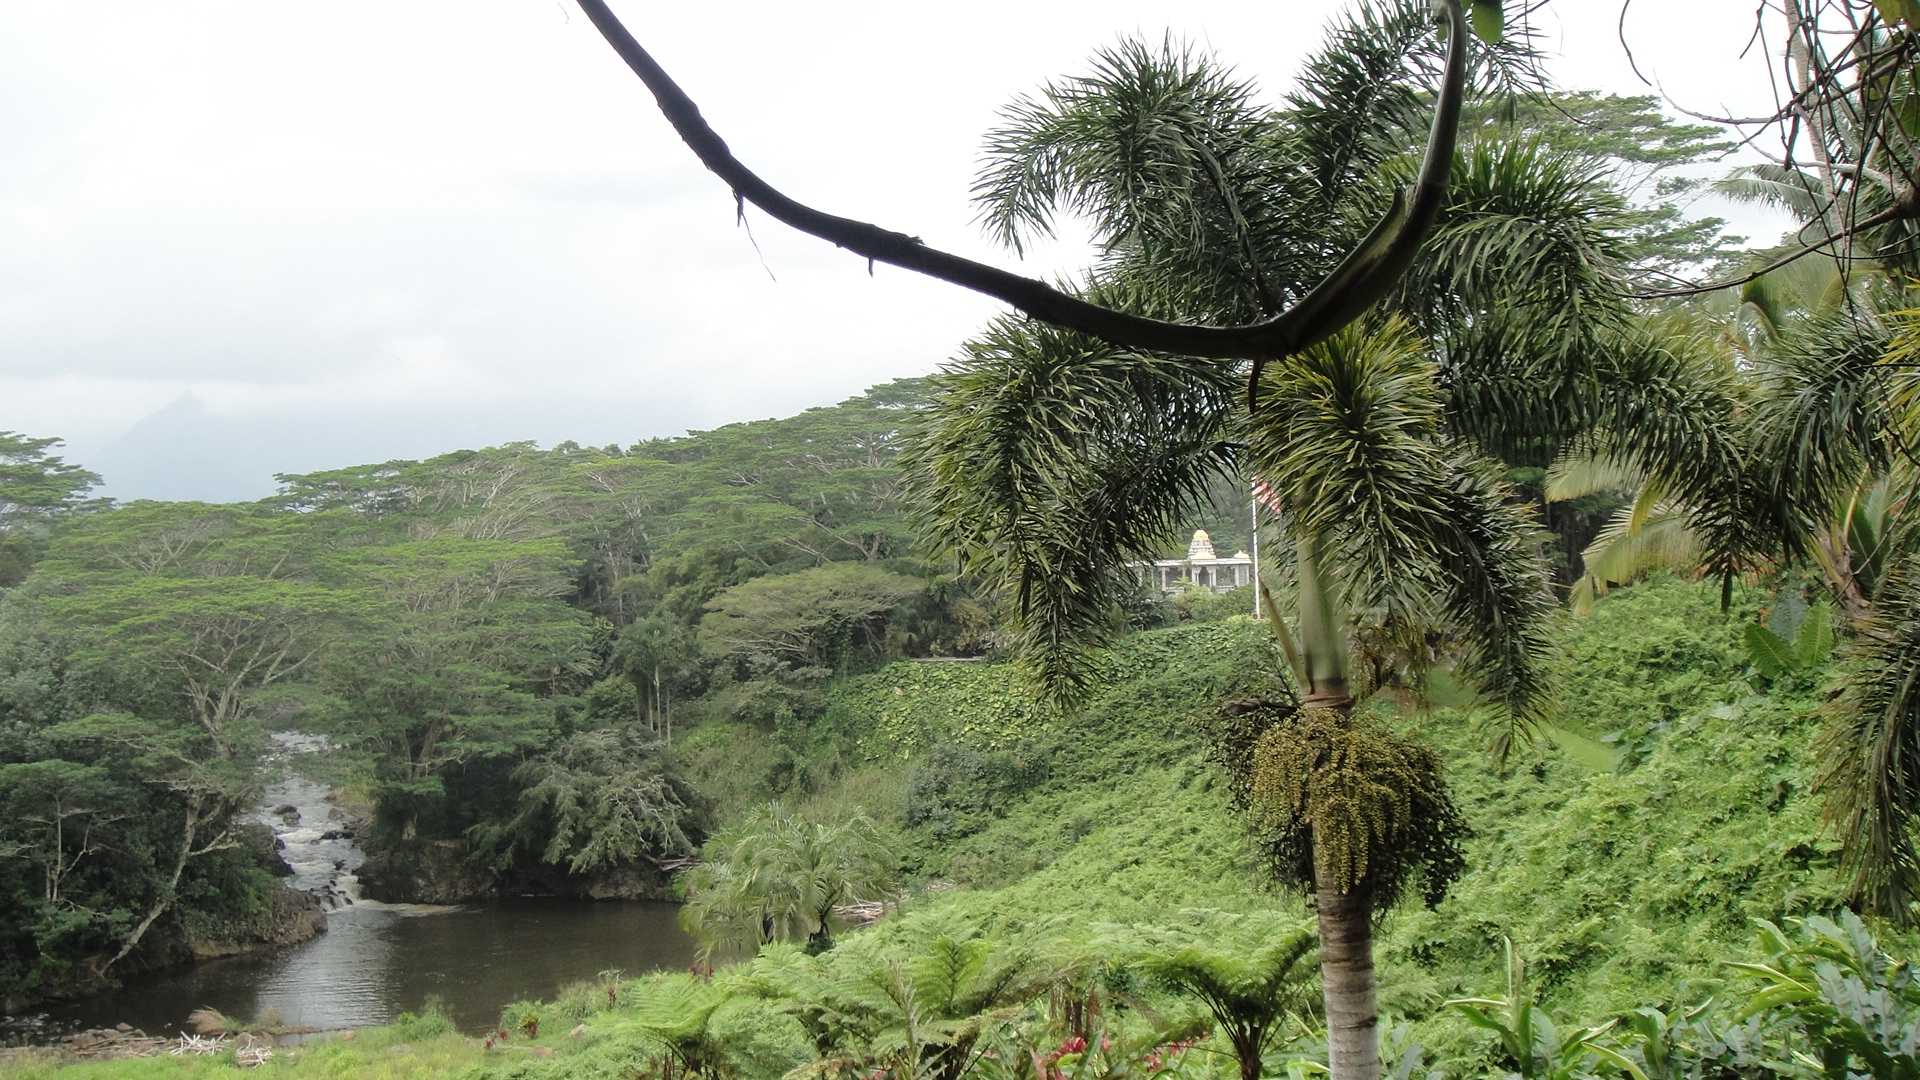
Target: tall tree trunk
column 1322, row 663
column 1346, row 975
column 163, row 898
column 1346, row 918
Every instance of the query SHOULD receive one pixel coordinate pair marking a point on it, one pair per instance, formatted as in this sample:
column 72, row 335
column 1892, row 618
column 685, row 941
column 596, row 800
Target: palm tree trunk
column 1346, row 918
column 1323, row 645
column 1346, row 975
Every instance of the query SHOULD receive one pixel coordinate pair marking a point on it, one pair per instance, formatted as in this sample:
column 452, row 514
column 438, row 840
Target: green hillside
column 551, row 670
column 1622, row 888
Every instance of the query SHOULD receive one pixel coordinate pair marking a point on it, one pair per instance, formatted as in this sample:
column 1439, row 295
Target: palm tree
column 1053, row 459
column 1391, row 525
column 778, row 877
column 1795, row 447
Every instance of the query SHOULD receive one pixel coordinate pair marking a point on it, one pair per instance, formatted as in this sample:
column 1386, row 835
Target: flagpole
column 1254, row 497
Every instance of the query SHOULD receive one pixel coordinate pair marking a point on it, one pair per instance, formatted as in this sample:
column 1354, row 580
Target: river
column 378, row 960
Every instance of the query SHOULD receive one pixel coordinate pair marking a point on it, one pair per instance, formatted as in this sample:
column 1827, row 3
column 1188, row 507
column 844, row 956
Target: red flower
column 1157, row 1060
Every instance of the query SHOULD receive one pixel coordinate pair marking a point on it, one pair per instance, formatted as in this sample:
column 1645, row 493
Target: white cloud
column 409, row 227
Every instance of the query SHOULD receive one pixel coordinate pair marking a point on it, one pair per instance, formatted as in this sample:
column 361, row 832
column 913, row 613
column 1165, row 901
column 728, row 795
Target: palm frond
column 1901, row 364
column 1496, row 599
column 1575, row 475
column 1422, row 534
column 1359, row 100
column 1673, row 406
column 1347, row 445
column 1354, row 102
column 1869, row 753
column 1522, row 281
column 1634, row 545
column 1815, row 285
column 1529, row 224
column 1510, row 394
column 1824, row 423
column 1796, row 191
column 1342, row 422
column 1162, row 150
column 1050, row 462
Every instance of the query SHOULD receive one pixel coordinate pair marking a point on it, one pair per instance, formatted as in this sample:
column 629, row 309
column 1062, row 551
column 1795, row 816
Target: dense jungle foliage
column 1084, row 879
column 1583, row 687
column 502, row 645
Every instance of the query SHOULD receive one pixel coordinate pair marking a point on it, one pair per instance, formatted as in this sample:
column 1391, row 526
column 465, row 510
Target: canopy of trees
column 496, row 641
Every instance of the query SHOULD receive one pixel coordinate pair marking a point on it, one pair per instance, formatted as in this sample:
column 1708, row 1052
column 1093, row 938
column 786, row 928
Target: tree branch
column 1905, row 209
column 1365, row 275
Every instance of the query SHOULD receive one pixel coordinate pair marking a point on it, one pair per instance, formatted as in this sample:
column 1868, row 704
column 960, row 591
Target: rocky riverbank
column 292, row 916
column 97, row 1044
column 439, row 873
column 126, row 1041
column 289, row 917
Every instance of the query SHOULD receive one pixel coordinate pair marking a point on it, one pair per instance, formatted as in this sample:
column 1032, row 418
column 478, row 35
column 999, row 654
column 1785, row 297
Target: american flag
column 1266, row 496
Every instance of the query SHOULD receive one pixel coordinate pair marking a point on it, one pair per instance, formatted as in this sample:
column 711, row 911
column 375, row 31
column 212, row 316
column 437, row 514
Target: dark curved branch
column 1362, row 278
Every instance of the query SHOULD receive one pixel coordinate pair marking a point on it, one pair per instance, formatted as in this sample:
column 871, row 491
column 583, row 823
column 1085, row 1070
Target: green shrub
column 1838, row 998
column 430, row 1022
column 904, row 709
column 955, row 791
column 1205, row 605
column 526, row 1018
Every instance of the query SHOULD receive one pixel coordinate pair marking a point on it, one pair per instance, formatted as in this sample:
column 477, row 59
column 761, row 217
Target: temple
column 1200, row 569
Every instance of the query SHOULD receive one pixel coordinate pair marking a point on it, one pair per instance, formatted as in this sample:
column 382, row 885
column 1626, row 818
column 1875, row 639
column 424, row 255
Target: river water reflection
column 375, row 962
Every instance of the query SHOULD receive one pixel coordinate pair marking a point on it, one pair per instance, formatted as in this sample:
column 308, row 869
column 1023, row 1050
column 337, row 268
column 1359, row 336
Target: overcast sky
column 359, row 230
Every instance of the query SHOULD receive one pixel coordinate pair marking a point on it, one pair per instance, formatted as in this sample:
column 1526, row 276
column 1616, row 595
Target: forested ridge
column 501, row 644
column 462, row 628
